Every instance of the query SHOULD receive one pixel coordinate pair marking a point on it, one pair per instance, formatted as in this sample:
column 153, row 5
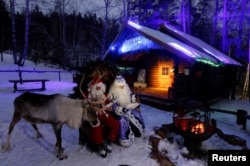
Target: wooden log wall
column 156, row 76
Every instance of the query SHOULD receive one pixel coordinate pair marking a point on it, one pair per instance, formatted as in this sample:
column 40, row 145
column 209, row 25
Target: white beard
column 122, row 96
column 97, row 95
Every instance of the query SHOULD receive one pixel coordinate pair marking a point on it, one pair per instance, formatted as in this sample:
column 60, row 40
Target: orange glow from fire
column 190, row 125
column 198, row 129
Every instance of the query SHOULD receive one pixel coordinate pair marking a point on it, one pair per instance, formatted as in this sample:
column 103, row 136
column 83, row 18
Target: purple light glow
column 221, row 58
column 136, row 43
column 179, row 47
column 183, row 49
column 203, row 46
column 168, row 41
column 137, row 26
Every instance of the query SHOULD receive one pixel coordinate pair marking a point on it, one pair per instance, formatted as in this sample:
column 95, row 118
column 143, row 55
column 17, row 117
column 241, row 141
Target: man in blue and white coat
column 127, row 111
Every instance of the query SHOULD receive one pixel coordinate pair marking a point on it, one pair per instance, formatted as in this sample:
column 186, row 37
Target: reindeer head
column 89, row 114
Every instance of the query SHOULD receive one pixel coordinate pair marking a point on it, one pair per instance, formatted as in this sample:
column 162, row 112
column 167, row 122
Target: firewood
column 168, row 127
column 162, row 159
column 232, row 139
column 162, row 132
column 154, row 142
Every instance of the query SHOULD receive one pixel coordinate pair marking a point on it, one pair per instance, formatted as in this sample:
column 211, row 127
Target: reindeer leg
column 16, row 118
column 38, row 134
column 57, row 129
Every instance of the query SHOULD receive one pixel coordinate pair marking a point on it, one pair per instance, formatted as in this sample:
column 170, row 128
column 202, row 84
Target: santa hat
column 119, row 81
column 99, row 83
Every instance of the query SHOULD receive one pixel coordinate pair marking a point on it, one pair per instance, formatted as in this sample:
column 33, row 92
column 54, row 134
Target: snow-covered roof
column 198, row 44
column 174, row 44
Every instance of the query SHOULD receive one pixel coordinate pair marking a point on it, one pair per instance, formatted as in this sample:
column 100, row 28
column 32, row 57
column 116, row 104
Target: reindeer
column 54, row 109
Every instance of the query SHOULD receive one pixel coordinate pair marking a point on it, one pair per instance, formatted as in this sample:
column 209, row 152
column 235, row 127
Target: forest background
column 70, row 33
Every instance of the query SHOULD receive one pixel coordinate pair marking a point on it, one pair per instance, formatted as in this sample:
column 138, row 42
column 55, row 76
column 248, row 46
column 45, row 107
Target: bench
column 26, row 81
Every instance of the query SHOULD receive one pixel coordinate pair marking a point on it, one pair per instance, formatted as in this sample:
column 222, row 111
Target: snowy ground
column 27, row 150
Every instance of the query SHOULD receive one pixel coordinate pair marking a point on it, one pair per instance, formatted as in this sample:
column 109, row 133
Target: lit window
column 164, row 71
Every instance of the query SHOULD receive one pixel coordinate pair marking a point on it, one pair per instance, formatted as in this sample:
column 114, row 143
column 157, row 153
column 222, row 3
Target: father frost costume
column 127, row 110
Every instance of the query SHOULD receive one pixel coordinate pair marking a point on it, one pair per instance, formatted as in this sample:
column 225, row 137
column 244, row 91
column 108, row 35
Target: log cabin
column 181, row 64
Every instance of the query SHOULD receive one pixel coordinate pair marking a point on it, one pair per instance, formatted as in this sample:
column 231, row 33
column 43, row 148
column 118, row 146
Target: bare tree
column 3, row 26
column 106, row 19
column 124, row 14
column 240, row 30
column 75, row 7
column 60, row 6
column 185, row 15
column 22, row 58
column 225, row 28
column 13, row 22
column 109, row 5
column 215, row 20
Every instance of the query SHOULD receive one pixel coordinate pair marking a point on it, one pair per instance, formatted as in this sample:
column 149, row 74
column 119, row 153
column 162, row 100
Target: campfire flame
column 198, row 128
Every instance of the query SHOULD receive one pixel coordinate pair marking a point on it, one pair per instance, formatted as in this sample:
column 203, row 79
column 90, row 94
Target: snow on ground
column 27, row 150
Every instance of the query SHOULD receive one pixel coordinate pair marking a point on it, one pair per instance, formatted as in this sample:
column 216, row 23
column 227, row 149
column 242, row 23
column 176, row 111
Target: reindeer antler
column 80, row 87
column 100, row 75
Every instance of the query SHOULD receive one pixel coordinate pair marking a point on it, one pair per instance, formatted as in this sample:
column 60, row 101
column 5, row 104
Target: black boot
column 108, row 146
column 102, row 150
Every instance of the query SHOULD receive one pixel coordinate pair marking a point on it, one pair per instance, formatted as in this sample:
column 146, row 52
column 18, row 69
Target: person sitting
column 96, row 134
column 127, row 111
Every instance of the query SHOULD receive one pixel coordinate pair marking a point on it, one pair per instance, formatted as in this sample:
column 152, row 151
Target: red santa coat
column 97, row 92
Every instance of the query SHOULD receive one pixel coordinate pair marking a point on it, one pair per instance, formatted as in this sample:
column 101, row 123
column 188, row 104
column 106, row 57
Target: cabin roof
column 174, row 41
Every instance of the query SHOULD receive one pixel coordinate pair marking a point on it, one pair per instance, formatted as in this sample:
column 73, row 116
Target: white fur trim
column 133, row 97
column 131, row 136
column 137, row 123
column 98, row 123
column 125, row 143
column 118, row 110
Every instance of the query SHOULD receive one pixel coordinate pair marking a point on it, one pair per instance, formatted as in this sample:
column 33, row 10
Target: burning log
column 192, row 121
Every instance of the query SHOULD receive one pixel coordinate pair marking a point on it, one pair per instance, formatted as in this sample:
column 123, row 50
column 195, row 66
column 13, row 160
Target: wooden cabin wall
column 181, row 85
column 184, row 67
column 152, row 75
column 193, row 80
column 207, row 82
column 160, row 74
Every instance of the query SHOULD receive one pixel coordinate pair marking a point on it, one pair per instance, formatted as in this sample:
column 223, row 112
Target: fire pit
column 192, row 121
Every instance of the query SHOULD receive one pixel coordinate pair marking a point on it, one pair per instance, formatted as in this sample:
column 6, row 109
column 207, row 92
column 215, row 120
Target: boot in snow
column 108, row 146
column 102, row 150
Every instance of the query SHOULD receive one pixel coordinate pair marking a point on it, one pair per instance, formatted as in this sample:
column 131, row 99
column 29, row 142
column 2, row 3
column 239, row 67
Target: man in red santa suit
column 97, row 97
column 126, row 108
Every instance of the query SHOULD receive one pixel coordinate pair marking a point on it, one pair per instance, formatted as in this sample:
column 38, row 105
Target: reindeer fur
column 54, row 109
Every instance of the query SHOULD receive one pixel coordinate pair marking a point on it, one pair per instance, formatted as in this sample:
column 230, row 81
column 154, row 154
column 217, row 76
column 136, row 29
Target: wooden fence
column 34, row 71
